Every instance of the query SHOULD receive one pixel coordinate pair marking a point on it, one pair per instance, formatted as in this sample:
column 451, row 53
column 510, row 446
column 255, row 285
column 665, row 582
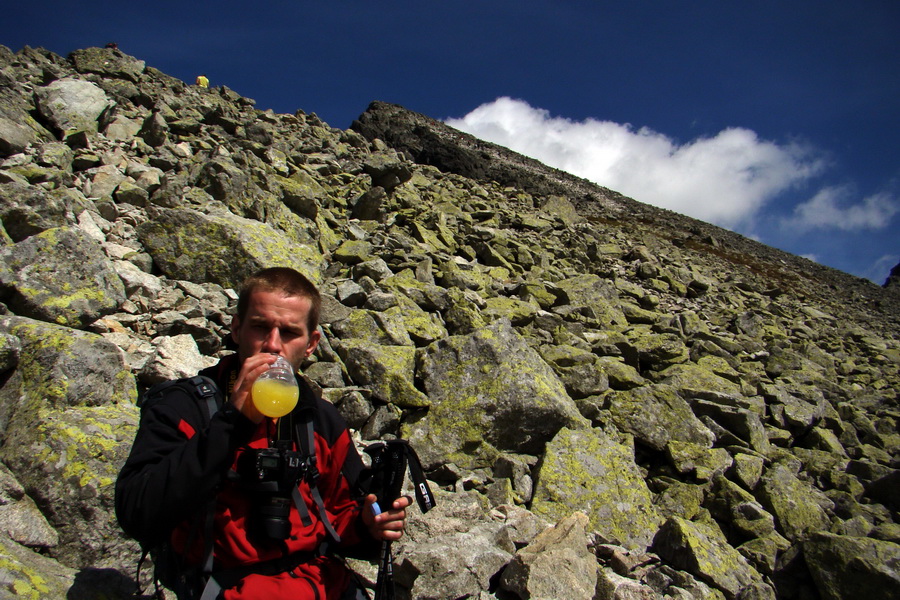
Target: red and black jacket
column 181, row 459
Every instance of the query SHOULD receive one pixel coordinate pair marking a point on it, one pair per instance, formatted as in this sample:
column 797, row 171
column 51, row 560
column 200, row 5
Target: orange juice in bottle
column 275, row 392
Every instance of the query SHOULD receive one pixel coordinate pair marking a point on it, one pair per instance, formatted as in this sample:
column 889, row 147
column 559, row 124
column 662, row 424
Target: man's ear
column 314, row 338
column 235, row 326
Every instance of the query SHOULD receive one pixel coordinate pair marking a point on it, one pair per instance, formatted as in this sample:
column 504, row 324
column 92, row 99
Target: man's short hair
column 287, row 281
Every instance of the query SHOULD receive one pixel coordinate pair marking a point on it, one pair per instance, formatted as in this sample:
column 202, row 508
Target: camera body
column 272, row 475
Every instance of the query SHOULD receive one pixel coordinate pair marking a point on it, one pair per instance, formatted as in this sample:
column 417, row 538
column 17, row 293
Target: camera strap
column 303, row 435
column 307, row 442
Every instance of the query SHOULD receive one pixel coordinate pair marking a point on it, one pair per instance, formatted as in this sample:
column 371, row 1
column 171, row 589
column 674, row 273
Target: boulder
column 71, row 105
column 556, row 564
column 489, row 392
column 589, row 471
column 798, row 507
column 61, row 276
column 656, row 415
column 107, row 62
column 220, row 247
column 702, row 550
column 853, row 567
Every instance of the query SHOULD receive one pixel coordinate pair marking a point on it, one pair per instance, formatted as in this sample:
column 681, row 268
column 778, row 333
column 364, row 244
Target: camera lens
column 274, row 517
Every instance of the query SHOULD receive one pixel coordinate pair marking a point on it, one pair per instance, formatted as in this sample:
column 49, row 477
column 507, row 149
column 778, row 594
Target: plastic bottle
column 275, row 392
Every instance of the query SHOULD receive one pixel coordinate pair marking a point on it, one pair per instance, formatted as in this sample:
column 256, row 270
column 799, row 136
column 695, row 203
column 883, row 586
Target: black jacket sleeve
column 178, row 460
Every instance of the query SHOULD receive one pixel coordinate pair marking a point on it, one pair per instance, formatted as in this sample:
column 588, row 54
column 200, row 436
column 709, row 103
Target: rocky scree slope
column 613, row 401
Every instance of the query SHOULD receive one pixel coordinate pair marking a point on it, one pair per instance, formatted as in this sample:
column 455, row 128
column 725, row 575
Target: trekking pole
column 389, row 463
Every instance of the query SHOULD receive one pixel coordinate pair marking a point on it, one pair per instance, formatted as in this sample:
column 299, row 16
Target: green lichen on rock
column 797, row 505
column 83, row 439
column 853, row 567
column 22, row 581
column 519, row 312
column 421, row 326
column 656, row 415
column 60, row 275
column 386, row 370
column 32, row 576
column 222, row 248
column 702, row 550
column 490, row 387
column 589, row 471
column 69, row 459
column 61, row 366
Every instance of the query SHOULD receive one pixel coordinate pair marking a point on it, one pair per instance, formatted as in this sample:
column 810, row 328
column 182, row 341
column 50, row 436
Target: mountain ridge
column 432, row 142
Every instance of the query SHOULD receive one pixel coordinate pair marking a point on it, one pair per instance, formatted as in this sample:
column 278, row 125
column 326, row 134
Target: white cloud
column 726, row 179
column 830, row 209
column 880, row 270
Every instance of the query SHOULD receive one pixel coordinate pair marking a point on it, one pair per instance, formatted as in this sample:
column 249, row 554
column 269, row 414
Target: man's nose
column 272, row 342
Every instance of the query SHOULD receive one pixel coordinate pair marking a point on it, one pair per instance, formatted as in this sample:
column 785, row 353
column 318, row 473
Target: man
column 182, row 458
column 202, row 81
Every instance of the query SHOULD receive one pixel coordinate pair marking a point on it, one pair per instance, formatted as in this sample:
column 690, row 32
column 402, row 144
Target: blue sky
column 777, row 119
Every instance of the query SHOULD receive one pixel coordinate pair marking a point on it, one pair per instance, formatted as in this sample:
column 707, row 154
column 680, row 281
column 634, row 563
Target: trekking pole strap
column 423, row 493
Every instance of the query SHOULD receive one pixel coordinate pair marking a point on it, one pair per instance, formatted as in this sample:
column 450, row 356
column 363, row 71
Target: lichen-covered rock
column 60, row 276
column 799, row 508
column 10, row 347
column 702, row 550
column 26, row 574
column 578, row 369
column 691, row 380
column 743, row 423
column 20, row 518
column 656, row 415
column 388, row 371
column 489, row 392
column 14, row 137
column 221, row 247
column 29, row 210
column 421, row 327
column 589, row 471
column 729, row 503
column 107, row 61
column 71, row 105
column 702, row 462
column 71, row 428
column 853, row 567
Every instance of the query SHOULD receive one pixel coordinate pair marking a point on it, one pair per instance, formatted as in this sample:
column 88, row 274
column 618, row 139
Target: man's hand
column 389, row 525
column 252, row 368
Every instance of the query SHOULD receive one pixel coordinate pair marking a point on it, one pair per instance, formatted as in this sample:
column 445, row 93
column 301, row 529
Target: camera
column 271, row 474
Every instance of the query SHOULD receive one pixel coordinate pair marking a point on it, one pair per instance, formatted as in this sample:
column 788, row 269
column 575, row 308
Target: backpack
column 168, row 568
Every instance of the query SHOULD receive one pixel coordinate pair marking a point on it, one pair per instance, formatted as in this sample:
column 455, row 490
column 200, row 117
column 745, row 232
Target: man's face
column 275, row 324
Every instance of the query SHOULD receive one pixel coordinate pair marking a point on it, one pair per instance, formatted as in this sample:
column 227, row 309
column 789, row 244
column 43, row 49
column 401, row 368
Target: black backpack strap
column 300, row 427
column 207, row 391
column 203, row 389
